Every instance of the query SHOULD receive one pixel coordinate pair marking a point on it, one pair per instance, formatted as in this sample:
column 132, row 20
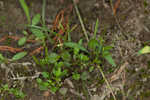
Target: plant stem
column 43, row 12
column 81, row 21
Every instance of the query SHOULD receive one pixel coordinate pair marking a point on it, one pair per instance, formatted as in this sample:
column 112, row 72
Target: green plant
column 98, row 49
column 72, row 59
column 1, row 58
column 33, row 24
column 5, row 89
column 68, row 59
column 26, row 10
column 36, row 26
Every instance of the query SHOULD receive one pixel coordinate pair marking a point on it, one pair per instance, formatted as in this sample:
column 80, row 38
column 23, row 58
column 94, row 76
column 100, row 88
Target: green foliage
column 25, row 32
column 94, row 45
column 22, row 41
column 66, row 56
column 2, row 59
column 53, row 58
column 26, row 10
column 19, row 56
column 16, row 92
column 36, row 19
column 70, row 58
column 144, row 50
column 75, row 46
column 48, row 83
column 85, row 75
column 76, row 76
column 96, row 28
column 83, row 57
column 99, row 49
column 38, row 33
column 109, row 58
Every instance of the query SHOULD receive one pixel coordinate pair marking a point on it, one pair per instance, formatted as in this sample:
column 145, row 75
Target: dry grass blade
column 118, row 73
column 81, row 21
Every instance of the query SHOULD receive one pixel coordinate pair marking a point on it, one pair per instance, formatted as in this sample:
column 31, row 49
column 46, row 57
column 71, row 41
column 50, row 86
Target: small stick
column 11, row 49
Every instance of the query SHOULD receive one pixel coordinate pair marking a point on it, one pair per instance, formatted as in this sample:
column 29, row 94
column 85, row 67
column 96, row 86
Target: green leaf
column 84, row 75
column 26, row 10
column 91, row 68
column 109, row 58
column 39, row 81
column 67, row 64
column 57, row 72
column 53, row 57
column 59, row 64
column 96, row 28
column 54, row 89
column 1, row 57
column 36, row 19
column 38, row 33
column 66, row 56
column 83, row 57
column 65, row 72
column 80, row 42
column 35, row 59
column 107, row 48
column 76, row 51
column 19, row 55
column 97, row 61
column 76, row 76
column 144, row 50
column 25, row 32
column 93, row 44
column 44, row 86
column 5, row 87
column 75, row 45
column 45, row 74
column 22, row 41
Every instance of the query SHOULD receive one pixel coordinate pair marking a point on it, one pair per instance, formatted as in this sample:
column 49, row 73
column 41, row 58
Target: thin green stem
column 81, row 21
column 43, row 12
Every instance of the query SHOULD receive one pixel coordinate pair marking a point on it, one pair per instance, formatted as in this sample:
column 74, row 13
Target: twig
column 81, row 21
column 11, row 49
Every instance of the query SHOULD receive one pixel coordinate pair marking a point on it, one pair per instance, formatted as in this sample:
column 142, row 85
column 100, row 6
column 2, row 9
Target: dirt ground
column 128, row 31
